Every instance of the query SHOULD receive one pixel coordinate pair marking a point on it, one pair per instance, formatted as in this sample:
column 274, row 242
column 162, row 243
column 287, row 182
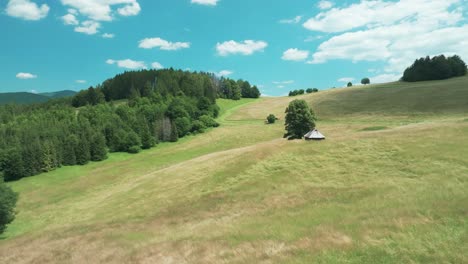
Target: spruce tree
column 98, row 148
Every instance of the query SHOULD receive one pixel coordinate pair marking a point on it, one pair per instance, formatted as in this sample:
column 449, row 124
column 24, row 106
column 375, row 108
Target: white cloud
column 80, row 81
column 247, row 47
column 88, row 27
column 128, row 64
column 312, row 38
column 33, row 91
column 149, row 43
column 132, row 9
column 25, row 76
column 295, row 20
column 26, row 10
column 108, row 35
column 384, row 78
column 101, row 10
column 156, row 65
column 346, row 79
column 381, row 13
column 70, row 19
column 72, row 11
column 223, row 73
column 325, row 5
column 280, row 86
column 295, row 55
column 393, row 32
column 283, row 82
column 205, row 2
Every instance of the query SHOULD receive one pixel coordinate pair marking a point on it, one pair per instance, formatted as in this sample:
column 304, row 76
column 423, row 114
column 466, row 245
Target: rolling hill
column 387, row 186
column 30, row 98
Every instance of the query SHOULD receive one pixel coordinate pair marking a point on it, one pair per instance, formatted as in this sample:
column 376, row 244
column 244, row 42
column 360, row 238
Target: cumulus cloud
column 88, row 27
column 99, row 10
column 70, row 19
column 156, row 65
column 25, row 75
column 346, row 79
column 223, row 73
column 149, row 43
column 384, row 78
column 247, row 47
column 108, row 35
column 295, row 55
column 127, row 64
column 295, row 20
column 132, row 9
column 205, row 2
column 392, row 32
column 26, row 10
column 381, row 13
column 325, row 5
column 283, row 82
column 80, row 81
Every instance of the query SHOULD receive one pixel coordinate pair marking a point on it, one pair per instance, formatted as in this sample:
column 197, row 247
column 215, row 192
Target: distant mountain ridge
column 31, row 98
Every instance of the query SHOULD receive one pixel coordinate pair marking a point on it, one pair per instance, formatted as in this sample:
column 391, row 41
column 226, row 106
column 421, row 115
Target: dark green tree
column 365, row 81
column 271, row 119
column 98, row 147
column 13, row 167
column 300, row 119
column 82, row 151
column 349, row 84
column 8, row 200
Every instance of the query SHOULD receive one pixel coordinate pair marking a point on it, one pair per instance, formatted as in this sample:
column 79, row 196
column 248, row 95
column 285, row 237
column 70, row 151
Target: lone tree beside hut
column 300, row 119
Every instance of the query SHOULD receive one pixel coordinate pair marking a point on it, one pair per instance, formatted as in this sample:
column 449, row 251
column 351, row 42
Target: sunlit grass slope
column 389, row 185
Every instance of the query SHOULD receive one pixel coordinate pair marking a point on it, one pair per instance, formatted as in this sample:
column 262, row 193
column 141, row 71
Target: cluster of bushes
column 40, row 138
column 302, row 91
column 436, row 68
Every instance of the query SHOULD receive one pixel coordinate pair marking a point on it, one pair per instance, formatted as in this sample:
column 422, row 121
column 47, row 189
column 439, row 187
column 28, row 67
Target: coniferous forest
column 436, row 68
column 127, row 113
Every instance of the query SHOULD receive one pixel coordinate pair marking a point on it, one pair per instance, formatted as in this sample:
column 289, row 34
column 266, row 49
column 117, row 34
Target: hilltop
column 31, row 98
column 387, row 186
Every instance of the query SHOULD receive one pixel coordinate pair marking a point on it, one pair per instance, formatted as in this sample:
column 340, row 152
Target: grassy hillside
column 31, row 98
column 387, row 186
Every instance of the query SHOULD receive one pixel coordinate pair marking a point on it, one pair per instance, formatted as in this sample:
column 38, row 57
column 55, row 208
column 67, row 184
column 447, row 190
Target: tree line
column 302, row 91
column 435, row 68
column 159, row 106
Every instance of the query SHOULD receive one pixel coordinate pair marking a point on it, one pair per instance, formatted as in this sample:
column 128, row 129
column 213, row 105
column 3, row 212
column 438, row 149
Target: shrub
column 208, row 121
column 198, row 126
column 134, row 149
column 271, row 119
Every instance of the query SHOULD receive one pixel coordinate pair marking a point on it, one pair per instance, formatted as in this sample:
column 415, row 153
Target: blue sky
column 278, row 45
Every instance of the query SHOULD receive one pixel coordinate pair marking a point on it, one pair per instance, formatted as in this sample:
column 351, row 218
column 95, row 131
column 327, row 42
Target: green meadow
column 388, row 185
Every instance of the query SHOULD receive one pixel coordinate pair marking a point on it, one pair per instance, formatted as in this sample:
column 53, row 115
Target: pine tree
column 69, row 144
column 13, row 167
column 82, row 152
column 174, row 134
column 98, row 148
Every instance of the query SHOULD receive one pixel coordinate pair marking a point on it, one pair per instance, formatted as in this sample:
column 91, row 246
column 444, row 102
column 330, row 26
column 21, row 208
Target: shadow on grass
column 374, row 128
